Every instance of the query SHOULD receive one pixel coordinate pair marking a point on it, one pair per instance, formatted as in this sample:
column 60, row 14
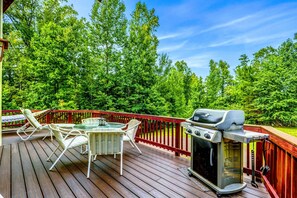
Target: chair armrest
column 74, row 132
column 124, row 128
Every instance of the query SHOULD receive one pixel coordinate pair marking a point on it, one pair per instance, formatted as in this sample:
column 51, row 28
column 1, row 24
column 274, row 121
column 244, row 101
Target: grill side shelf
column 244, row 136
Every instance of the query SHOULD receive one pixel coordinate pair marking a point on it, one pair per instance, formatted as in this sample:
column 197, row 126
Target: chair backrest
column 57, row 133
column 105, row 143
column 30, row 117
column 132, row 127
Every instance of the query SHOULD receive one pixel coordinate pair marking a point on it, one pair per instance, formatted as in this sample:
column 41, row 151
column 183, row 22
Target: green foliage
column 57, row 60
column 107, row 37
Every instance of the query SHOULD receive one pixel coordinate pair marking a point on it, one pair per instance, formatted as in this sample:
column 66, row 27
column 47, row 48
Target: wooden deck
column 155, row 173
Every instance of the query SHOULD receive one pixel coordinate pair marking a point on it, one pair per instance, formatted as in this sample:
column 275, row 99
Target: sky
column 197, row 31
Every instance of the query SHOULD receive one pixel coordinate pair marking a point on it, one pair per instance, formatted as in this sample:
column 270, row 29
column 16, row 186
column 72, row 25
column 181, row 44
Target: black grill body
column 215, row 159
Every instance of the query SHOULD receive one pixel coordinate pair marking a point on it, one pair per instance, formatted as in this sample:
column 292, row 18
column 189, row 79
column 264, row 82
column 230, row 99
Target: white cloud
column 168, row 36
column 253, row 38
column 171, row 48
column 226, row 24
column 254, row 20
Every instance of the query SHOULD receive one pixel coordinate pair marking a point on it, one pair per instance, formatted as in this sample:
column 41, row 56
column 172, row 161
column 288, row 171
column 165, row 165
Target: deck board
column 5, row 171
column 61, row 187
column 18, row 185
column 46, row 185
column 31, row 181
column 155, row 173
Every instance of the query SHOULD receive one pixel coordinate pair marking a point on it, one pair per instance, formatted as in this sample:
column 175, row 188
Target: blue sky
column 198, row 30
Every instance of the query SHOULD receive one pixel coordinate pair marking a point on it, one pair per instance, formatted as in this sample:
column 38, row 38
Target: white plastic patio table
column 108, row 127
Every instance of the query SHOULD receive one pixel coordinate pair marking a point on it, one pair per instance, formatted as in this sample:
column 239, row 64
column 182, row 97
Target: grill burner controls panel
column 203, row 133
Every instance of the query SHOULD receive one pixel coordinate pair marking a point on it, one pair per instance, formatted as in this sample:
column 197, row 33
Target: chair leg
column 27, row 135
column 131, row 143
column 48, row 159
column 83, row 152
column 49, row 133
column 89, row 165
column 136, row 147
column 58, row 159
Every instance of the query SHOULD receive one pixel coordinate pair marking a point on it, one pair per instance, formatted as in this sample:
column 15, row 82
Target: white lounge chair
column 23, row 133
column 66, row 139
column 105, row 143
column 130, row 132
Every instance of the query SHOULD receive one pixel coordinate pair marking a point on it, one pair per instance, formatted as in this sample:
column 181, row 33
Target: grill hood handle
column 211, row 156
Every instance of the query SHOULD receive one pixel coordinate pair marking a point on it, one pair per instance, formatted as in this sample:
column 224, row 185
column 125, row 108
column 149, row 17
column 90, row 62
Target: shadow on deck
column 155, row 173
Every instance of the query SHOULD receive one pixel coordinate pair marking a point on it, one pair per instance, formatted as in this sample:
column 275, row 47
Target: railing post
column 111, row 118
column 177, row 138
column 248, row 156
column 138, row 132
column 48, row 118
column 70, row 117
column 259, row 158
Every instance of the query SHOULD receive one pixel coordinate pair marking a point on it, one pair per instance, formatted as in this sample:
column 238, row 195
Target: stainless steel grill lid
column 218, row 119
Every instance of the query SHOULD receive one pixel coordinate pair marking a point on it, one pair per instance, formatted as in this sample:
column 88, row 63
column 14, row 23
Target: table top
column 109, row 126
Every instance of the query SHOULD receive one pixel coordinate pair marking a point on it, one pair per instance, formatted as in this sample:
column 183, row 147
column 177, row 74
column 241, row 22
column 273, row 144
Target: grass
column 292, row 131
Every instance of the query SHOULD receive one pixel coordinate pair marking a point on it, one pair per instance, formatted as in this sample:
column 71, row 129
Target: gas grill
column 217, row 148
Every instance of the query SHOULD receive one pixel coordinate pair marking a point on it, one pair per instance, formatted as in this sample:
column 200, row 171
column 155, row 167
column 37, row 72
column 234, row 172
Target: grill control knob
column 189, row 131
column 197, row 133
column 207, row 136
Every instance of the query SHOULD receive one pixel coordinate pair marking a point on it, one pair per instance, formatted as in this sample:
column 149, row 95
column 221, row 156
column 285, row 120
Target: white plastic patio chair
column 23, row 133
column 130, row 132
column 105, row 143
column 66, row 139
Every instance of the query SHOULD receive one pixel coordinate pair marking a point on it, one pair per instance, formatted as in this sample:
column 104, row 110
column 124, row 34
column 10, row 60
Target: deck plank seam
column 170, row 178
column 34, row 168
column 112, row 161
column 101, row 169
column 171, row 181
column 44, row 146
column 116, row 164
column 1, row 153
column 64, row 165
column 22, row 167
column 42, row 163
column 161, row 165
column 150, row 157
column 85, row 165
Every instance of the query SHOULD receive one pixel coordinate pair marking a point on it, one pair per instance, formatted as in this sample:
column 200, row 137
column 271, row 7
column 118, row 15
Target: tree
column 54, row 68
column 186, row 71
column 140, row 56
column 212, row 84
column 275, row 85
column 108, row 35
column 23, row 17
column 198, row 95
column 217, row 82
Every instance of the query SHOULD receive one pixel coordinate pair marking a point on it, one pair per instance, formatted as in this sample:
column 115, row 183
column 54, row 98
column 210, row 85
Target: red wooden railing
column 281, row 156
column 167, row 133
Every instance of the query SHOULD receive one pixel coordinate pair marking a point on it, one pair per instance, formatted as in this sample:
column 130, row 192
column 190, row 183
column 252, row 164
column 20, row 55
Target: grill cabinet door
column 204, row 159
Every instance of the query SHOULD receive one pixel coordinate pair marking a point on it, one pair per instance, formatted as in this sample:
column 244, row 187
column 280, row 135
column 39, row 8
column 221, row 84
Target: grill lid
column 218, row 119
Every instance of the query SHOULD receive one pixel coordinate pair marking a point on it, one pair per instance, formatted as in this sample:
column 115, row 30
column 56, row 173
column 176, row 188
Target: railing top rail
column 281, row 139
column 132, row 115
